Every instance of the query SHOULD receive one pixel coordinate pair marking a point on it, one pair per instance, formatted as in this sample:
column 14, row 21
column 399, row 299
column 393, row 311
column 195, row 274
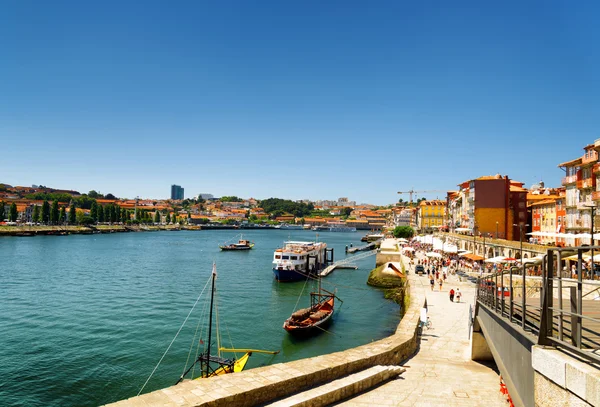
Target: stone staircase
column 341, row 389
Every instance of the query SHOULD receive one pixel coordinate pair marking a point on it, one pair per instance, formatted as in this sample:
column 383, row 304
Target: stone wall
column 562, row 380
column 264, row 384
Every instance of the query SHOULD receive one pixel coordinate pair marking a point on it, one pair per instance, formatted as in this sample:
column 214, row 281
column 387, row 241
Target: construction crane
column 412, row 191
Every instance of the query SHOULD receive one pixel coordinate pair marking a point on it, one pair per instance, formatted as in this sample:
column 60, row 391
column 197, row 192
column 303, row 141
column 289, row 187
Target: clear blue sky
column 295, row 100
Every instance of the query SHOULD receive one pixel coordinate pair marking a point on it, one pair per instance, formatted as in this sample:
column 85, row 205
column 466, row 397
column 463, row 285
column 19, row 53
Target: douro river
column 85, row 318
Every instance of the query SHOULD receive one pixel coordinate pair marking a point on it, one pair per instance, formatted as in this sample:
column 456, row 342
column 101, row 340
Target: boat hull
column 286, row 275
column 235, row 248
column 316, row 328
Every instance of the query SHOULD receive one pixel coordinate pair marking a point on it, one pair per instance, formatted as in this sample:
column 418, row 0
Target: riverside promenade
column 441, row 373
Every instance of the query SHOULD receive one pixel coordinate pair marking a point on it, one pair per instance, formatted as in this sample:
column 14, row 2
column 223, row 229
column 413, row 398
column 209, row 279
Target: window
column 285, row 257
column 294, row 258
column 278, row 256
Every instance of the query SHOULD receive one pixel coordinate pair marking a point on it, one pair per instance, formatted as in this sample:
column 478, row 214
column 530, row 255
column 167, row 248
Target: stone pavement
column 441, row 373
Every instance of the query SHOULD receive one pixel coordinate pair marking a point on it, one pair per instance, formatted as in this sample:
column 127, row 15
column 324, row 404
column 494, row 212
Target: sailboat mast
column 212, row 296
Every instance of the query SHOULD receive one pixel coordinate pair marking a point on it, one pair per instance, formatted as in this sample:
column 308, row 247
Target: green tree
column 95, row 195
column 115, row 214
column 157, row 217
column 168, row 219
column 37, row 215
column 63, row 215
column 94, row 210
column 13, row 212
column 54, row 212
column 45, row 212
column 2, row 215
column 100, row 213
column 110, row 196
column 232, row 198
column 346, row 211
column 83, row 219
column 124, row 215
column 72, row 214
column 403, row 231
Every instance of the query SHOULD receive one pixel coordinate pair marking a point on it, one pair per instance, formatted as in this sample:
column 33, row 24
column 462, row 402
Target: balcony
column 571, row 179
column 582, row 206
column 589, row 156
column 588, row 183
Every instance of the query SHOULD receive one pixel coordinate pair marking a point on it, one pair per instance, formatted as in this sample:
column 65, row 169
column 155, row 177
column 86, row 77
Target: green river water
column 85, row 319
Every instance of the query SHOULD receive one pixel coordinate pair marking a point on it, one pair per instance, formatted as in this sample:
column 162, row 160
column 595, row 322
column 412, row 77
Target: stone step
column 340, row 389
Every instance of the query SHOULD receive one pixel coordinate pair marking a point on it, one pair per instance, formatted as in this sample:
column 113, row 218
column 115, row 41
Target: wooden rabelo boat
column 315, row 318
column 216, row 365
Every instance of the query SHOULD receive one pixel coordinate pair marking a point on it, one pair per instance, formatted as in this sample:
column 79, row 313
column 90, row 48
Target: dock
column 346, row 263
column 370, row 246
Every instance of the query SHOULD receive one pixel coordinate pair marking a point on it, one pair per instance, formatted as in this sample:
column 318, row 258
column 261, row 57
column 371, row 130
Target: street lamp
column 520, row 225
column 593, row 208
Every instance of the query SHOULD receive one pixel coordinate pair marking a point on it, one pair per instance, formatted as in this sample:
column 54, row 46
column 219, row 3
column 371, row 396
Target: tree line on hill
column 50, row 214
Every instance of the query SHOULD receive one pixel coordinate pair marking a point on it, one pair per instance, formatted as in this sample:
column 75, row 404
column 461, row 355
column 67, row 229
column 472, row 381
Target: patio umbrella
column 434, row 254
column 408, row 249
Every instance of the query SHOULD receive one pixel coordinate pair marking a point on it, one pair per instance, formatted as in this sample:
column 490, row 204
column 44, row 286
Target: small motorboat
column 242, row 244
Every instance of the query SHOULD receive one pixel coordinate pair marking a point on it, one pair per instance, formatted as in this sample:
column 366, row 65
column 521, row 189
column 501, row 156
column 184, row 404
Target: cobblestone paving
column 441, row 373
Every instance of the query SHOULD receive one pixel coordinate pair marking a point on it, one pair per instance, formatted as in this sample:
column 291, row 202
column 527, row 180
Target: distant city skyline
column 310, row 100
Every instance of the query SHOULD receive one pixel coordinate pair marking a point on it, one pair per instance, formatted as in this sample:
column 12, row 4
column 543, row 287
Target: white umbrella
column 434, row 254
column 497, row 259
column 402, row 240
column 408, row 249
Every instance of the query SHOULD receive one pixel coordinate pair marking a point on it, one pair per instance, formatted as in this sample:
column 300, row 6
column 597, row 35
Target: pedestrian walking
column 440, row 282
column 428, row 272
column 432, row 282
column 437, row 275
column 458, row 294
column 451, row 295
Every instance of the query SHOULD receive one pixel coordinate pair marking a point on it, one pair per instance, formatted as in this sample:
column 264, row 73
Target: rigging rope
column 177, row 334
column 198, row 326
column 301, row 292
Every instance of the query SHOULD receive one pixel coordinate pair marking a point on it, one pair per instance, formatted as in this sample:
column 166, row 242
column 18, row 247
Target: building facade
column 490, row 205
column 176, row 192
column 581, row 193
column 431, row 215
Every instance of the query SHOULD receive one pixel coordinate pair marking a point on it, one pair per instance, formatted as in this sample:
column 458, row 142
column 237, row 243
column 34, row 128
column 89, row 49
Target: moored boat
column 315, row 318
column 340, row 227
column 288, row 226
column 242, row 244
column 216, row 365
column 297, row 260
column 372, row 237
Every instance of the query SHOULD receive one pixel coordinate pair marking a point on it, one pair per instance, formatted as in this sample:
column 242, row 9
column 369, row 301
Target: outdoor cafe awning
column 472, row 256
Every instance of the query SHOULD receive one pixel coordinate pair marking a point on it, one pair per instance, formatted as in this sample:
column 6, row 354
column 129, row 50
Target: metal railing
column 561, row 309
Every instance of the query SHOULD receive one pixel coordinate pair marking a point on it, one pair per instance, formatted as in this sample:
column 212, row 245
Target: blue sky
column 294, row 99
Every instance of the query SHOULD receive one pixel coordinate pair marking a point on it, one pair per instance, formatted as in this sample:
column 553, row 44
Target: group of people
column 454, row 294
column 437, row 269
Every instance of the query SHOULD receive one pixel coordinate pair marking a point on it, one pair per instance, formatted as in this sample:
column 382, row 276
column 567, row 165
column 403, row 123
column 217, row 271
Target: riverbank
column 264, row 384
column 87, row 230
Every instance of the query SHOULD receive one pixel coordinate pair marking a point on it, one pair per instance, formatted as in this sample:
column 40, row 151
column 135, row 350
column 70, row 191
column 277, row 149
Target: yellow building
column 431, row 215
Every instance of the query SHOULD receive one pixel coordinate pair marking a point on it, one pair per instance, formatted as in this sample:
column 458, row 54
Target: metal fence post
column 546, row 313
column 575, row 338
column 579, row 295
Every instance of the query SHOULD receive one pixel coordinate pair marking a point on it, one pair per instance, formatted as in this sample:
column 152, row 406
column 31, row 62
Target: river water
column 85, row 319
